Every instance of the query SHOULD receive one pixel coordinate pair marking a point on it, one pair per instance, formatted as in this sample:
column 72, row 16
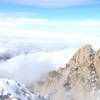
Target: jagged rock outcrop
column 82, row 69
column 97, row 64
column 79, row 77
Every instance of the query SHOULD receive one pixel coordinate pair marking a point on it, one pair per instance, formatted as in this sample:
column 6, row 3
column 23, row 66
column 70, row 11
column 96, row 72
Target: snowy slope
column 13, row 90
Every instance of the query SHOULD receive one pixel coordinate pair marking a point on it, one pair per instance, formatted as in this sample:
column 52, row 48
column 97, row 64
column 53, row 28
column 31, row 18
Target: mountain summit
column 79, row 77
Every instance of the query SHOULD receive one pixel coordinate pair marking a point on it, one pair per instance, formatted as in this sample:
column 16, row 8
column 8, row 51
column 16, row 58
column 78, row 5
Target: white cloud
column 38, row 21
column 81, row 31
column 34, row 66
column 22, row 21
column 82, row 28
column 67, row 37
column 41, row 62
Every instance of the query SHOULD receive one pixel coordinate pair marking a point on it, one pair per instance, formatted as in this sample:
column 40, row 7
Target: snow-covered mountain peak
column 13, row 90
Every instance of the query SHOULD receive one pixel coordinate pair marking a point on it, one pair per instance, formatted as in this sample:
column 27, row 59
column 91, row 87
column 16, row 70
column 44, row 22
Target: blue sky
column 88, row 11
column 46, row 17
column 56, row 28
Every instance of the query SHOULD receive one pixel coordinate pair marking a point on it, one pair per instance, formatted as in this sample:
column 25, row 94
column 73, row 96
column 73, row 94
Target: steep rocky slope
column 78, row 80
column 13, row 90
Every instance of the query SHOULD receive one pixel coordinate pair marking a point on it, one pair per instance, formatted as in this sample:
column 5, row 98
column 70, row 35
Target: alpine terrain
column 79, row 79
column 13, row 90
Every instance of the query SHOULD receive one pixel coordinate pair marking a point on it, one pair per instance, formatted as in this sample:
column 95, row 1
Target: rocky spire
column 81, row 74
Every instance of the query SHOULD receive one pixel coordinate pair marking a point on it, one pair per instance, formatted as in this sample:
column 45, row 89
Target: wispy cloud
column 51, row 3
column 38, row 21
column 68, row 29
column 16, row 14
column 75, row 33
column 69, row 36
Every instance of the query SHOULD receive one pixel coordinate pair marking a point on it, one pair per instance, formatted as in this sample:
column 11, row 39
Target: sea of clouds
column 29, row 57
column 28, row 61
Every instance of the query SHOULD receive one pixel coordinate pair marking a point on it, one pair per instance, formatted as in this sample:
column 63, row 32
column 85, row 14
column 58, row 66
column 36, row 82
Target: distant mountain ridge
column 80, row 77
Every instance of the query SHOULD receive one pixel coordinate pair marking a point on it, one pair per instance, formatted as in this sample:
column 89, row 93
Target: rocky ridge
column 81, row 76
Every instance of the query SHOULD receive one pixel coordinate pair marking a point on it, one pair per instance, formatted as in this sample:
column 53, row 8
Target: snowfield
column 13, row 90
